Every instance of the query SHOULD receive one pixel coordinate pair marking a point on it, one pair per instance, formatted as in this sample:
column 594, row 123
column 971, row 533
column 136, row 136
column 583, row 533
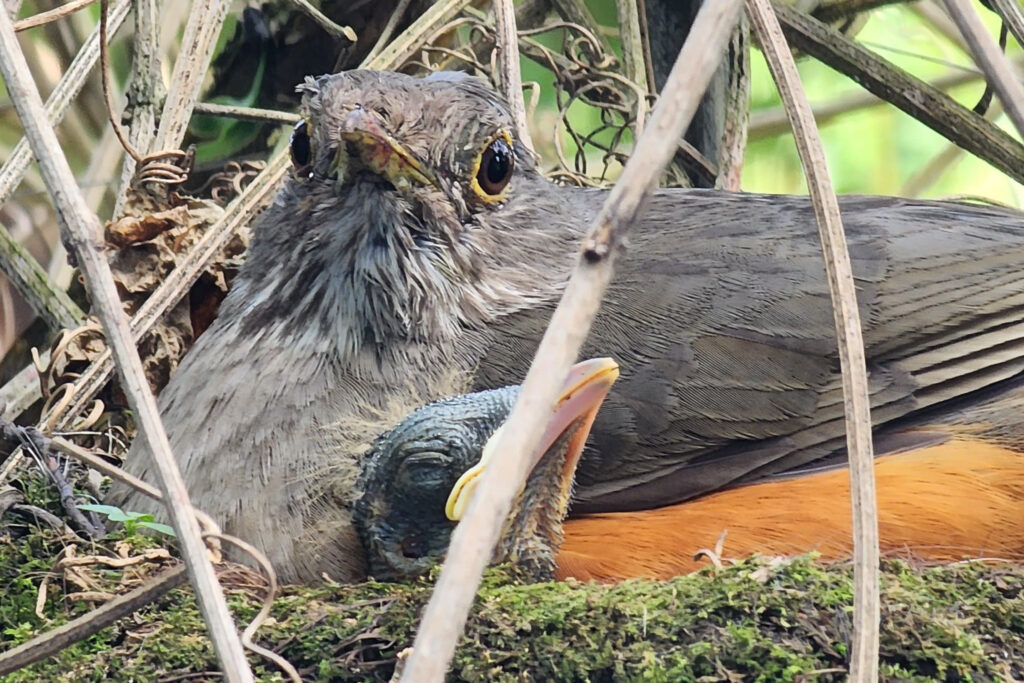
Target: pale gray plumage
column 360, row 300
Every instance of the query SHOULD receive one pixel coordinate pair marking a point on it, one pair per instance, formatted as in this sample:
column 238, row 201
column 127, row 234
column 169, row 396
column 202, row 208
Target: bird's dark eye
column 497, row 162
column 301, row 148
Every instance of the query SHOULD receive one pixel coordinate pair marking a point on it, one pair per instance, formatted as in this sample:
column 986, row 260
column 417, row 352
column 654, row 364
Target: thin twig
column 324, row 22
column 82, row 232
column 246, row 113
column 856, row 397
column 403, row 47
column 197, row 43
column 577, row 12
column 507, row 48
column 474, row 538
column 991, row 59
column 77, row 630
column 51, row 15
column 772, row 122
column 925, row 103
column 145, row 93
column 60, row 99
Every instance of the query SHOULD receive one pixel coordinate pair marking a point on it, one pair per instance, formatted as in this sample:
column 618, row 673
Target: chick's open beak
column 585, row 389
column 370, row 146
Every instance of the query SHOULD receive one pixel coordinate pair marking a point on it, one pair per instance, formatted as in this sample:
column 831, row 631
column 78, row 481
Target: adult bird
column 417, row 252
column 955, row 499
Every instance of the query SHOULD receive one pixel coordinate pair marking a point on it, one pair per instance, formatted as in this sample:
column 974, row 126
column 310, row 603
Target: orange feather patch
column 957, row 500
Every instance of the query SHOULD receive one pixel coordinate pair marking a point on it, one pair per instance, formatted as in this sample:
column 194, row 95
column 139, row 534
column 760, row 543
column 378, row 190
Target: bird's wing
column 720, row 317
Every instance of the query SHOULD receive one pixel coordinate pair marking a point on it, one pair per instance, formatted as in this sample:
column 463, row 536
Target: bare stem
column 508, row 64
column 51, row 15
column 857, row 404
column 991, row 60
column 474, row 539
column 200, row 38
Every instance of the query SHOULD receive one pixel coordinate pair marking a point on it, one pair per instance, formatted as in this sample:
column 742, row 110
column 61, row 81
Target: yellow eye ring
column 493, row 168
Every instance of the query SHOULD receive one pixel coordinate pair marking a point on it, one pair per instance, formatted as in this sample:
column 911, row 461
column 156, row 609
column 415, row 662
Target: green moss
column 758, row 621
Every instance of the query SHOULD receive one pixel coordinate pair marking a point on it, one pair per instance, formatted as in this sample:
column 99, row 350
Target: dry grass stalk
column 856, row 398
column 925, row 103
column 82, row 230
column 145, row 91
column 474, row 538
column 204, row 23
column 1013, row 14
column 991, row 59
column 60, row 99
column 51, row 15
column 507, row 48
column 55, row 640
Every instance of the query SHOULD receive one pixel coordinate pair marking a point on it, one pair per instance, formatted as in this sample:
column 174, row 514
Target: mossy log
column 760, row 620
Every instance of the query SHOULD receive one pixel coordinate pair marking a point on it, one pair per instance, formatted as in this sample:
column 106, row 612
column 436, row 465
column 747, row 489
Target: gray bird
column 418, row 253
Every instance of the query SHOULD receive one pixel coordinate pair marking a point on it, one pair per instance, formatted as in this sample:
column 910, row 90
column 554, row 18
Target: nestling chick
column 421, row 475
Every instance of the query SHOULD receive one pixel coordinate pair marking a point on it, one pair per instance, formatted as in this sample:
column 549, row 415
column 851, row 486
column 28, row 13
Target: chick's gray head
column 410, row 473
column 420, row 476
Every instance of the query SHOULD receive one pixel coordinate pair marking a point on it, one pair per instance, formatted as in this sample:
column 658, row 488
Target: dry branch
column 632, row 42
column 145, row 91
column 60, row 99
column 856, row 397
column 48, row 300
column 474, row 538
column 204, row 22
column 81, row 231
column 246, row 113
column 507, row 47
column 991, row 59
column 52, row 642
column 771, row 122
column 917, row 98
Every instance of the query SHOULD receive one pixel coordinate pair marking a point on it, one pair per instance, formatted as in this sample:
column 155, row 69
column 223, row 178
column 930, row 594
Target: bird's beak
column 585, row 390
column 370, row 146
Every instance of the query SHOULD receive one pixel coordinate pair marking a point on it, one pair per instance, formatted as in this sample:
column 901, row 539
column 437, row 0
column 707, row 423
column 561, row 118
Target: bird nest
column 761, row 619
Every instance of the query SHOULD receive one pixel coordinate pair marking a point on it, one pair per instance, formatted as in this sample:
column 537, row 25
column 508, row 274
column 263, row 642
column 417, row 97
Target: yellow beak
column 585, row 390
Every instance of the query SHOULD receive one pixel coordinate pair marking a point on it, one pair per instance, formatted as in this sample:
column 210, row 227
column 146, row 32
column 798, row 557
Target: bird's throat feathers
column 367, row 266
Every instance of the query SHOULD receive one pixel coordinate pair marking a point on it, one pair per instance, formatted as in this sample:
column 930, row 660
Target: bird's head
column 447, row 140
column 412, row 212
column 420, row 477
